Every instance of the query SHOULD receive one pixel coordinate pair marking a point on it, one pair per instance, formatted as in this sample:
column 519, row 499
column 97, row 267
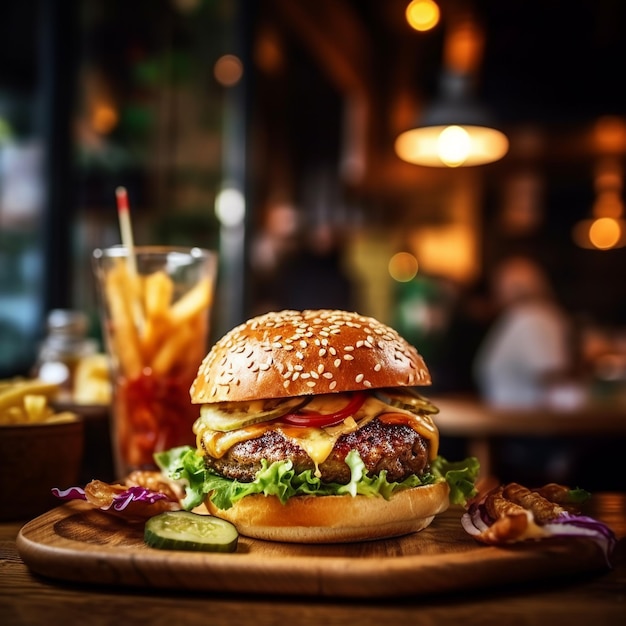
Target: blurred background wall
column 266, row 129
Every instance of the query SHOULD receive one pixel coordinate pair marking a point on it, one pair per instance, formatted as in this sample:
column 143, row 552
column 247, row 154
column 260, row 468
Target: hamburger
column 311, row 430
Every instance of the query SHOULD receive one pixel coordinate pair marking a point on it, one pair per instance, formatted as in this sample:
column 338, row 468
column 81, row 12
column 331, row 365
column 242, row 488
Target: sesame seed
column 348, row 357
column 332, row 385
column 337, row 362
column 359, row 378
column 378, row 367
column 367, row 383
column 348, row 348
column 311, row 383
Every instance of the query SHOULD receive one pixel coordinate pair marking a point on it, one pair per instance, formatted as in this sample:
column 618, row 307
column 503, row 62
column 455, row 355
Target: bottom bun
column 336, row 519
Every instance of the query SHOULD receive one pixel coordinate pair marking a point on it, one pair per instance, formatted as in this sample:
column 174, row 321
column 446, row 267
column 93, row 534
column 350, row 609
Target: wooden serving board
column 77, row 543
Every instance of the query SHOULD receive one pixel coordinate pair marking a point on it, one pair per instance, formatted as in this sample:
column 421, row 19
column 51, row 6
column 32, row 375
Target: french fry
column 195, row 300
column 199, row 325
column 157, row 294
column 173, row 349
column 124, row 332
column 154, row 332
column 13, row 393
column 92, row 380
column 158, row 289
column 27, row 402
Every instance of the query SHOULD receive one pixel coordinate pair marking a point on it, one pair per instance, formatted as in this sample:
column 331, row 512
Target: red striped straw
column 126, row 229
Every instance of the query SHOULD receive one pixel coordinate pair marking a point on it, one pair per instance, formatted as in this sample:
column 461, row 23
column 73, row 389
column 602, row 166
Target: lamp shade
column 456, row 130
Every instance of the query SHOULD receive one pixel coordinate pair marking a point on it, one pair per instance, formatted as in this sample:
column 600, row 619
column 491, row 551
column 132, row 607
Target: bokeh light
column 422, row 15
column 403, row 267
column 605, row 233
column 228, row 70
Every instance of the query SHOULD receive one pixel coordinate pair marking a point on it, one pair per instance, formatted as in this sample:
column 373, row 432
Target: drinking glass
column 155, row 310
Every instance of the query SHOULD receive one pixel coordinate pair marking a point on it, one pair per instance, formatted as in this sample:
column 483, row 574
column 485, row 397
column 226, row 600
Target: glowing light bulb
column 454, row 146
column 605, row 233
column 422, row 15
column 230, row 207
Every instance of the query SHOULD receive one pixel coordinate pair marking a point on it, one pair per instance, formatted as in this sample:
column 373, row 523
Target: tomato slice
column 319, row 420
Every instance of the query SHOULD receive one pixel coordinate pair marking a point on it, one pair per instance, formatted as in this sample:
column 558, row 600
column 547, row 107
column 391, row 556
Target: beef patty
column 396, row 448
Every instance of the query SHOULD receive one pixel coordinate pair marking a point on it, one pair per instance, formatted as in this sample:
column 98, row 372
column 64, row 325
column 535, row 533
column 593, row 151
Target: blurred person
column 313, row 275
column 528, row 347
column 526, row 351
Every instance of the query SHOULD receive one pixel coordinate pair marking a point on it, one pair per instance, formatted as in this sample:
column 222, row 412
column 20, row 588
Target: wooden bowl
column 34, row 458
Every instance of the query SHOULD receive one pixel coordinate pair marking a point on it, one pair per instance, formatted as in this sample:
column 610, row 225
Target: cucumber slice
column 183, row 530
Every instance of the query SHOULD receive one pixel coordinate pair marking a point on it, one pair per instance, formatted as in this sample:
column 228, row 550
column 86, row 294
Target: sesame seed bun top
column 294, row 353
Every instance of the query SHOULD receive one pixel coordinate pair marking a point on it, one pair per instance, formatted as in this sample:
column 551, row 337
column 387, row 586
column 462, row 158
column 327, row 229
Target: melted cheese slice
column 319, row 442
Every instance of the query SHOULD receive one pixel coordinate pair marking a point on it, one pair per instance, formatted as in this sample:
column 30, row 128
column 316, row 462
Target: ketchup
column 153, row 414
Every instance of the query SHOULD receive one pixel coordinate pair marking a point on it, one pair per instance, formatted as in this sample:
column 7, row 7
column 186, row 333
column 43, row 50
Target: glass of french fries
column 155, row 311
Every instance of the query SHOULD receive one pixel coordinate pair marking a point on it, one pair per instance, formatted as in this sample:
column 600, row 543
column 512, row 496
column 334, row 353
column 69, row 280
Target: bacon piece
column 542, row 509
column 509, row 527
column 513, row 513
column 120, row 500
column 555, row 493
column 155, row 481
column 498, row 505
column 516, row 512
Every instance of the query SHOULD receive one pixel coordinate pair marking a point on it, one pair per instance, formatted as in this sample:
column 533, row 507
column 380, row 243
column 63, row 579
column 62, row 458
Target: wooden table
column 482, row 426
column 598, row 598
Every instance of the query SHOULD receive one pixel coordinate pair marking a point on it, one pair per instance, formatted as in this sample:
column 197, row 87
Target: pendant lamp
column 455, row 131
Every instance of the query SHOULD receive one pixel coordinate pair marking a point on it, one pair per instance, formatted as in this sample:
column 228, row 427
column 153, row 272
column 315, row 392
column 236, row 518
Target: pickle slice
column 183, row 530
column 407, row 399
column 225, row 416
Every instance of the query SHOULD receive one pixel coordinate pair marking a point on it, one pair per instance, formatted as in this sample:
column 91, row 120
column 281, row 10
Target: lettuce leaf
column 279, row 479
column 460, row 476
